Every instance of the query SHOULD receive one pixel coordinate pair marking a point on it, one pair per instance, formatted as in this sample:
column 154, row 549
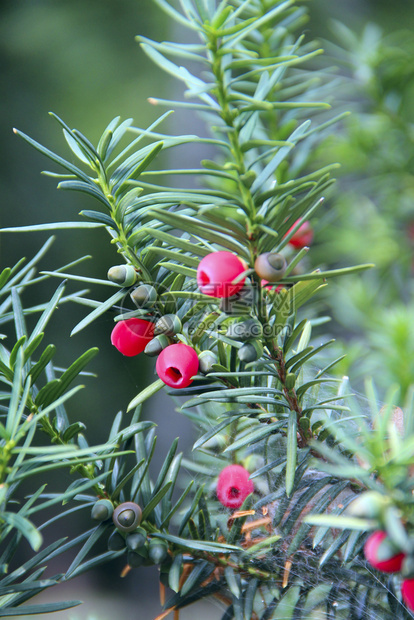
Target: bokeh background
column 80, row 60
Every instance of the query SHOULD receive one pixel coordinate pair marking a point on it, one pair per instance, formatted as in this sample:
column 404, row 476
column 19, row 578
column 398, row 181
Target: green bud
column 156, row 345
column 116, row 541
column 304, row 423
column 158, row 550
column 250, row 351
column 290, row 380
column 136, row 540
column 245, row 330
column 270, row 266
column 124, row 275
column 169, row 325
column 206, row 360
column 369, row 505
column 102, row 510
column 127, row 516
column 139, row 557
column 134, row 559
column 144, row 296
column 316, row 425
column 324, row 435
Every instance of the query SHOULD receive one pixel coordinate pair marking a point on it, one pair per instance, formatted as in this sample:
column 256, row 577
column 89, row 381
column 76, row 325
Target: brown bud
column 127, row 516
column 270, row 266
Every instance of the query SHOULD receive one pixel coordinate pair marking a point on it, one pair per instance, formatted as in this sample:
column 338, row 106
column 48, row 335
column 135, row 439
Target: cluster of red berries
column 219, row 274
column 176, row 364
column 392, row 562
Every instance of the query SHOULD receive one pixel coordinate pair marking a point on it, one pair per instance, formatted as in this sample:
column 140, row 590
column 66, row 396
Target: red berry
column 392, row 565
column 233, row 486
column 131, row 336
column 303, row 236
column 407, row 592
column 217, row 271
column 176, row 365
column 271, row 285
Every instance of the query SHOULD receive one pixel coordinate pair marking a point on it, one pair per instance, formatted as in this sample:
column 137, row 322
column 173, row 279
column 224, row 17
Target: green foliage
column 380, row 447
column 30, row 407
column 373, row 211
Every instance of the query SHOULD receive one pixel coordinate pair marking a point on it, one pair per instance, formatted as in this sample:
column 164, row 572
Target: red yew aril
column 177, row 364
column 216, row 273
column 407, row 593
column 233, row 486
column 392, row 564
column 302, row 237
column 271, row 286
column 131, row 336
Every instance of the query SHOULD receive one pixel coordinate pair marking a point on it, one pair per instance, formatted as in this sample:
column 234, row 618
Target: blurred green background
column 79, row 59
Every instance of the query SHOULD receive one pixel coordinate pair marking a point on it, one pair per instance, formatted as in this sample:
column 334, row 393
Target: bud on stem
column 124, row 275
column 250, row 351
